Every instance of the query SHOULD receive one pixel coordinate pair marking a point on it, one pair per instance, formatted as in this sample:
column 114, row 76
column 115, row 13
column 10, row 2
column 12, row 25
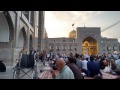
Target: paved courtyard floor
column 9, row 72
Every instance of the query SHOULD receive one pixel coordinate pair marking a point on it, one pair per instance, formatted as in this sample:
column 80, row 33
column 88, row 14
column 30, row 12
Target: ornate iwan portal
column 89, row 46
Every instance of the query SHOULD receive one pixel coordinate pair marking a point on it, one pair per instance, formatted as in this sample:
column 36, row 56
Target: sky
column 59, row 23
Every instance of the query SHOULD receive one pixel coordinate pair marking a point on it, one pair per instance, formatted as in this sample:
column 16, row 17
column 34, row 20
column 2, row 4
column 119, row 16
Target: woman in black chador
column 2, row 66
column 32, row 58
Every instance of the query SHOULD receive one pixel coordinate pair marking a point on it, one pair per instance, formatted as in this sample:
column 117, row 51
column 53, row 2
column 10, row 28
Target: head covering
column 71, row 60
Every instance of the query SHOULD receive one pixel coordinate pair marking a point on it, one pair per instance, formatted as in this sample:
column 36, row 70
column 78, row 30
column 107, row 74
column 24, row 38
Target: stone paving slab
column 9, row 72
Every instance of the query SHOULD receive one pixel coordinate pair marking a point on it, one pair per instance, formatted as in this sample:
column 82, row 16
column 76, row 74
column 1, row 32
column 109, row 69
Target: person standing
column 79, row 59
column 84, row 66
column 37, row 55
column 44, row 57
column 32, row 55
column 23, row 57
column 48, row 56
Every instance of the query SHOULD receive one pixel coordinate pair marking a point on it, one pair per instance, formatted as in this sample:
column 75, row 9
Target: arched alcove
column 22, row 38
column 4, row 28
column 89, row 46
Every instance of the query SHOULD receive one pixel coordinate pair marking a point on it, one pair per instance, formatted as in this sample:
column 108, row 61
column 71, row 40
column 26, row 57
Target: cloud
column 84, row 15
column 55, row 26
column 70, row 17
column 61, row 21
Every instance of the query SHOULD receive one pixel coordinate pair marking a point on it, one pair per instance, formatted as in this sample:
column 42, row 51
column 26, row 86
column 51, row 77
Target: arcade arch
column 22, row 38
column 4, row 28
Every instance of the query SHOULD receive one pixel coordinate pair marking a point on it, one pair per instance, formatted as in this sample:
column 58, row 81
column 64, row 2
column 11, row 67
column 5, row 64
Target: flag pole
column 73, row 26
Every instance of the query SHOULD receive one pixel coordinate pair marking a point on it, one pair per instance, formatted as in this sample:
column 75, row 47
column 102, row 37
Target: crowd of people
column 92, row 65
column 27, row 60
column 73, row 66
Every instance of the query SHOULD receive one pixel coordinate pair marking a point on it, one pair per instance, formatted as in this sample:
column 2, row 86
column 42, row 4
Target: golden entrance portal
column 89, row 46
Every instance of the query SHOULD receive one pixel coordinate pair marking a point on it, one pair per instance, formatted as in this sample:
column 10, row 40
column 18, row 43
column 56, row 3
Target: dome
column 72, row 34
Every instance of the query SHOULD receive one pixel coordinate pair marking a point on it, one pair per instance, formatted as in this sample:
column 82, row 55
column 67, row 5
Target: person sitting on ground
column 2, row 66
column 52, row 63
column 65, row 71
column 113, row 65
column 117, row 63
column 76, row 71
column 103, row 63
column 93, row 67
column 97, row 77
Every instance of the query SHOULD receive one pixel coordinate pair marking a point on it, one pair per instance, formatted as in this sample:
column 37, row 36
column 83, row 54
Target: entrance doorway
column 89, row 46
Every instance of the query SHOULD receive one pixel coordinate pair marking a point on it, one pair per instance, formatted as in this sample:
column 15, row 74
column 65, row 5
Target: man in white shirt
column 48, row 56
column 84, row 66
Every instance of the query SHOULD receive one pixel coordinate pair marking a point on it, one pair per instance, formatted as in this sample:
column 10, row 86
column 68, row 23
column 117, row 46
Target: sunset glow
column 59, row 23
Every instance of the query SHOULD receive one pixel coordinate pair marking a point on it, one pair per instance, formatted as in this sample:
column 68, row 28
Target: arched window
column 57, row 48
column 68, row 47
column 75, row 49
column 101, row 41
column 73, row 40
column 71, row 47
column 114, row 47
column 65, row 47
column 108, row 48
column 61, row 47
column 103, row 49
column 22, row 38
column 64, row 40
column 50, row 47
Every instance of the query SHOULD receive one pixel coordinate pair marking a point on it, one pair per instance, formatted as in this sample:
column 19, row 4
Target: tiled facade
column 74, row 44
